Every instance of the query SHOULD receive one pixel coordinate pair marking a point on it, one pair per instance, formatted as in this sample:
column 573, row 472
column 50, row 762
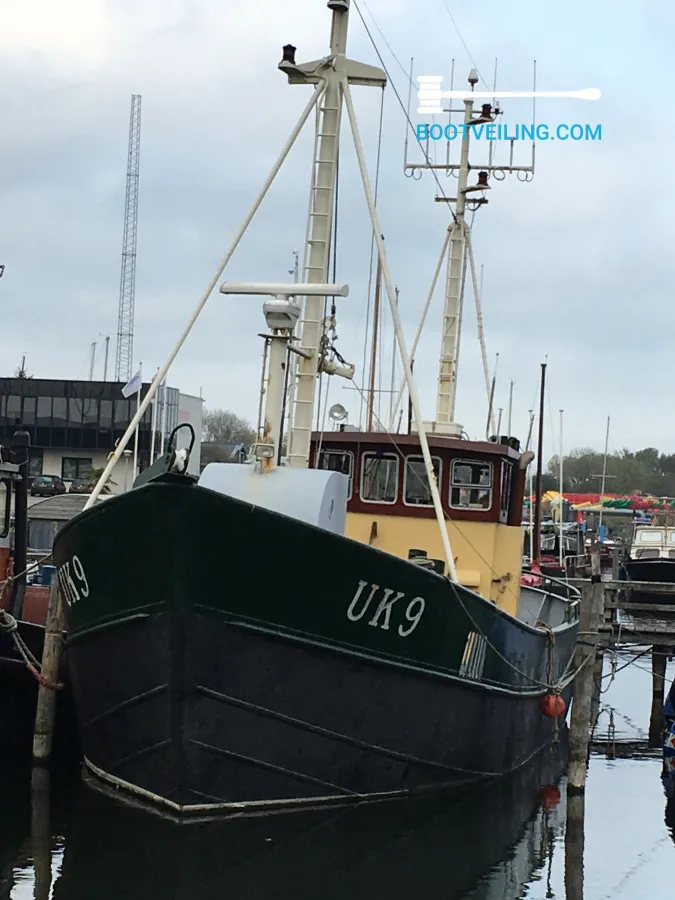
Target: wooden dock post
column 657, row 719
column 574, row 847
column 51, row 656
column 41, row 837
column 592, row 609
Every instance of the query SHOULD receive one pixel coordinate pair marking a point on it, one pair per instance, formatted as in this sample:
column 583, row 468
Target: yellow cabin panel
column 488, row 555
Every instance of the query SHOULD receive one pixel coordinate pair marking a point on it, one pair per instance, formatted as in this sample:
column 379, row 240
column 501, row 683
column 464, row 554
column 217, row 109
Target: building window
column 60, row 412
column 29, row 404
column 44, row 411
column 106, row 414
column 416, row 490
column 470, row 485
column 5, row 494
column 35, row 462
column 13, row 411
column 379, row 478
column 505, row 490
column 337, row 461
column 74, row 411
column 75, row 467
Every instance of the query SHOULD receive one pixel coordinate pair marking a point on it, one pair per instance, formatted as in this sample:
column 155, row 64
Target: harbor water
column 510, row 839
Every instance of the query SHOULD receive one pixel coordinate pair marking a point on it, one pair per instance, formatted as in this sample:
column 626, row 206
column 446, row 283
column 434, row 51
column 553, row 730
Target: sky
column 576, row 263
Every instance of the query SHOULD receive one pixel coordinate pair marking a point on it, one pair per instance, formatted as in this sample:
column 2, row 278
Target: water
column 505, row 841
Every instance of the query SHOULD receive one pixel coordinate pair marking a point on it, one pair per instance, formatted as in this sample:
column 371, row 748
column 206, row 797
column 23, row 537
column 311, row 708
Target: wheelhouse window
column 471, row 485
column 337, row 461
column 651, row 537
column 4, row 508
column 648, row 553
column 379, row 477
column 75, row 467
column 505, row 490
column 416, row 489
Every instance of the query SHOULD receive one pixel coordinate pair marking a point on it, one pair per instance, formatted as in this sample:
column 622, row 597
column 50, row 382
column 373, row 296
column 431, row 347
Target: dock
column 640, row 625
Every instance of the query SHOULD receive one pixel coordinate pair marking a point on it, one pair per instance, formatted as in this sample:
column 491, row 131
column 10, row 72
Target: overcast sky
column 576, row 263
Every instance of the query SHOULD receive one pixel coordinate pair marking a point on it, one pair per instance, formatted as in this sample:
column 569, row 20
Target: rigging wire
column 464, row 44
column 401, row 104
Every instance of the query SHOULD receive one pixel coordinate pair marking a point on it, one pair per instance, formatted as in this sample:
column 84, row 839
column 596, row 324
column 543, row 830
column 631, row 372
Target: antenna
column 295, row 271
column 469, row 198
column 125, row 319
column 92, row 361
column 105, row 358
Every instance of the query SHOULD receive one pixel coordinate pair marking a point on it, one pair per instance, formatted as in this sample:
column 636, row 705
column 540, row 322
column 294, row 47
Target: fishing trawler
column 370, row 637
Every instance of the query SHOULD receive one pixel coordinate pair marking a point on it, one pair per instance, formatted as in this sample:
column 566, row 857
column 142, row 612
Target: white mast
column 459, row 240
column 452, row 314
column 329, row 74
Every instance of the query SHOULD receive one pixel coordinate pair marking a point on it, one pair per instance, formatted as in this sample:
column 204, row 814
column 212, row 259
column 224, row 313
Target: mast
column 373, row 354
column 329, row 74
column 540, row 452
column 452, row 314
column 458, row 245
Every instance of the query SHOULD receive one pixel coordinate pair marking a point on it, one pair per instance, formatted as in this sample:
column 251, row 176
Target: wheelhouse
column 481, row 485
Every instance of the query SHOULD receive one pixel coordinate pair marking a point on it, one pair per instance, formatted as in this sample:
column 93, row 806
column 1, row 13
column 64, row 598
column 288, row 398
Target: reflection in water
column 503, row 841
column 484, row 844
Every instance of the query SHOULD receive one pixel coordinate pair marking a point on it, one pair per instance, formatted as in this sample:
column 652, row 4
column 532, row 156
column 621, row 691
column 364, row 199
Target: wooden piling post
column 657, row 722
column 592, row 609
column 598, row 667
column 41, row 839
column 574, row 847
column 51, row 656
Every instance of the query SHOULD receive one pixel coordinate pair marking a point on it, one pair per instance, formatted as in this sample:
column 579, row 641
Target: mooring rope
column 9, row 625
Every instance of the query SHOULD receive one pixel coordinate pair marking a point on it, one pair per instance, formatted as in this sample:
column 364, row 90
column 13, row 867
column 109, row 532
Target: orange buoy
column 549, row 797
column 552, row 706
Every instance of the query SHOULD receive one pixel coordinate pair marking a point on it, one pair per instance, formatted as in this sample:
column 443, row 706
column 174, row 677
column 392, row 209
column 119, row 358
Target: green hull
column 195, row 618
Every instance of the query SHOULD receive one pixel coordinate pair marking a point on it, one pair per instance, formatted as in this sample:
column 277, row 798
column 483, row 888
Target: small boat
column 300, row 631
column 651, row 558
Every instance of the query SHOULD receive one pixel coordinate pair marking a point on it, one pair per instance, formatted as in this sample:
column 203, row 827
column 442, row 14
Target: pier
column 611, row 621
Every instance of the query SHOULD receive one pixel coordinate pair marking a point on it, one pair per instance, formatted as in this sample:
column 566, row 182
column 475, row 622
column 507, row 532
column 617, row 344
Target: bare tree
column 226, row 427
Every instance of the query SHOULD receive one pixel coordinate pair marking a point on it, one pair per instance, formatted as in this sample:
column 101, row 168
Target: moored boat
column 370, row 637
column 651, row 558
column 23, row 613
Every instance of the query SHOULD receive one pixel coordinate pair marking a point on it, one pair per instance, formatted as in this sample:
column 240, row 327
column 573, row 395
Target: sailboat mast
column 540, row 465
column 373, row 354
column 319, row 230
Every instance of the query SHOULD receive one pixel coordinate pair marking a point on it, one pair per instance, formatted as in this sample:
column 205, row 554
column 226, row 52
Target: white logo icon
column 430, row 94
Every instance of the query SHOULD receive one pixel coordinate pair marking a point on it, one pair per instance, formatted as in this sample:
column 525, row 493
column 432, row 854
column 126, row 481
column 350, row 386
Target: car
column 47, row 486
column 80, row 486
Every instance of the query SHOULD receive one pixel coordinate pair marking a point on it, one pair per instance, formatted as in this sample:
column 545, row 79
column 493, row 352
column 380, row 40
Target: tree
column 225, row 427
column 93, row 476
column 644, row 471
column 20, row 371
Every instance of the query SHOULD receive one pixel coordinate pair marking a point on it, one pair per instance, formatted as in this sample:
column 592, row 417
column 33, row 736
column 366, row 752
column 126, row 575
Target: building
column 74, row 425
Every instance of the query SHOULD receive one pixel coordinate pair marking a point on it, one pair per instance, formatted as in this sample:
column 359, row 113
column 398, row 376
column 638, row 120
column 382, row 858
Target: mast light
column 288, row 54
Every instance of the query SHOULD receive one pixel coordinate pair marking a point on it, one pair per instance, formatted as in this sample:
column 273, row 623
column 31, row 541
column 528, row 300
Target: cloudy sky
column 576, row 263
